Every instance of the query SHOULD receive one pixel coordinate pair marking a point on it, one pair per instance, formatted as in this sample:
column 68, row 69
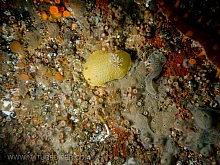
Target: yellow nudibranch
column 103, row 66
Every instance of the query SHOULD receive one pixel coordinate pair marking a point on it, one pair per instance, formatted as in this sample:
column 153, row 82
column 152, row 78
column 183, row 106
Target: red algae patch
column 200, row 28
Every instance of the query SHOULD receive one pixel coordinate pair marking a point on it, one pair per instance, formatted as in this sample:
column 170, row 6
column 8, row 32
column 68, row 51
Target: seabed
column 165, row 110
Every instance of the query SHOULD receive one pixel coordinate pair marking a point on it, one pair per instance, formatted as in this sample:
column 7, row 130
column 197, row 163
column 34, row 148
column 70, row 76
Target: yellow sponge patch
column 102, row 66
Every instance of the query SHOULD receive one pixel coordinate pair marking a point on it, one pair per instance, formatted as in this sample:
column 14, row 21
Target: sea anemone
column 15, row 46
column 57, row 1
column 66, row 13
column 54, row 10
column 44, row 16
column 192, row 61
column 57, row 15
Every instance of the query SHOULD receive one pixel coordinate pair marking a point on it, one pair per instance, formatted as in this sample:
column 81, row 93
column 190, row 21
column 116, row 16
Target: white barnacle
column 102, row 136
column 148, row 63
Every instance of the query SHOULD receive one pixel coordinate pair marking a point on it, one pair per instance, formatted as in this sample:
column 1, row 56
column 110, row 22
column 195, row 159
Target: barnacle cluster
column 103, row 82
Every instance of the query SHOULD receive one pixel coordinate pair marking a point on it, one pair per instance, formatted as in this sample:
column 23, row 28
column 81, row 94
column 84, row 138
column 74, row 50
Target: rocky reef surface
column 163, row 109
